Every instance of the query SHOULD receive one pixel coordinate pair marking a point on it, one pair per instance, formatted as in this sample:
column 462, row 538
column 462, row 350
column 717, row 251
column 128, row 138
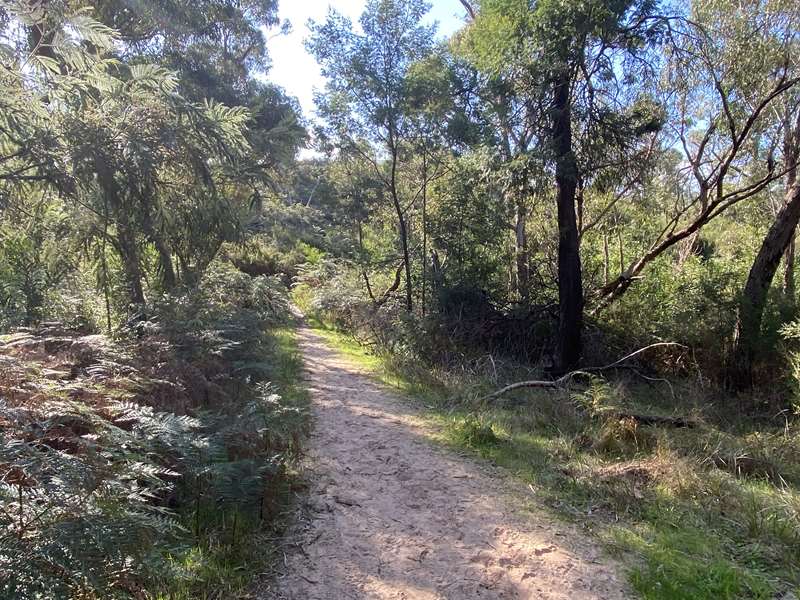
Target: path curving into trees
column 390, row 515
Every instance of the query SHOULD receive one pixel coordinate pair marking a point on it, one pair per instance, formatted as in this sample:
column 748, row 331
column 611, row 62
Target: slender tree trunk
column 168, row 279
column 570, row 285
column 521, row 252
column 104, row 264
column 406, row 255
column 437, row 276
column 129, row 254
column 789, row 288
column 401, row 222
column 424, row 232
column 759, row 280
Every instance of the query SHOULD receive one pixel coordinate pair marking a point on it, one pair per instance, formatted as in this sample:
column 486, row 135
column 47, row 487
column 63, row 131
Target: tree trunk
column 401, row 222
column 570, row 285
column 129, row 254
column 406, row 256
column 424, row 234
column 759, row 280
column 168, row 278
column 789, row 288
column 125, row 243
column 521, row 253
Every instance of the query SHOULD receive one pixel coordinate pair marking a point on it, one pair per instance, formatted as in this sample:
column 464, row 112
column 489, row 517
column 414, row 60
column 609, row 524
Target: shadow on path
column 390, row 515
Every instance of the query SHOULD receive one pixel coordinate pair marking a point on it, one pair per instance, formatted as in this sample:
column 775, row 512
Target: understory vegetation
column 157, row 461
column 594, row 200
column 150, row 405
column 702, row 504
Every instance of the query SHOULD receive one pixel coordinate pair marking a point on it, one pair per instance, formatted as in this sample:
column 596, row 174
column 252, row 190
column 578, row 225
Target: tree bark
column 759, row 280
column 570, row 285
column 129, row 254
column 521, row 253
column 125, row 243
column 789, row 288
column 168, row 278
column 424, row 234
column 401, row 221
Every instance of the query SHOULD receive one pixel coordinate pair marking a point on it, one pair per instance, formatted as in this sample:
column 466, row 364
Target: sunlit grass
column 683, row 526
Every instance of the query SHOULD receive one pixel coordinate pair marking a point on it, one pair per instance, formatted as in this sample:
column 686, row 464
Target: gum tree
column 366, row 98
column 567, row 58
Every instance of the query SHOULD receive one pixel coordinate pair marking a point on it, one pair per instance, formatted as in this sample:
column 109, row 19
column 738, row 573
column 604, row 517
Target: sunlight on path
column 389, row 515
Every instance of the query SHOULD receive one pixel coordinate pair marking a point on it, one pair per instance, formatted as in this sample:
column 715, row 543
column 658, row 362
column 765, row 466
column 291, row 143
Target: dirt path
column 390, row 515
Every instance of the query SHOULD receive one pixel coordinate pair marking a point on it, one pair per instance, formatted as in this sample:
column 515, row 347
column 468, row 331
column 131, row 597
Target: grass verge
column 709, row 512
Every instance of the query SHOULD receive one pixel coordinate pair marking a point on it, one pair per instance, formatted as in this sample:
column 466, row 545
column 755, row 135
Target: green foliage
column 164, row 455
column 105, row 147
column 473, row 433
column 228, row 289
column 148, row 188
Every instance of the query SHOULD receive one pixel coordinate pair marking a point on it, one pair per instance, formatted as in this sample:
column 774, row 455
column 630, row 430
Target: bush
column 147, row 463
column 474, row 433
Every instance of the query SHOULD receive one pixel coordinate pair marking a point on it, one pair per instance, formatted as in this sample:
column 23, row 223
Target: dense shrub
column 122, row 458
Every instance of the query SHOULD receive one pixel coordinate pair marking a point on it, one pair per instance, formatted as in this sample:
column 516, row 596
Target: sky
column 297, row 72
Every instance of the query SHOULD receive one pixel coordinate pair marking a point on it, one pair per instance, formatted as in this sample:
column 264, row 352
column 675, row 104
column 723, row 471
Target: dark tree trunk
column 168, row 278
column 759, row 280
column 401, row 221
column 125, row 242
column 424, row 234
column 570, row 285
column 129, row 254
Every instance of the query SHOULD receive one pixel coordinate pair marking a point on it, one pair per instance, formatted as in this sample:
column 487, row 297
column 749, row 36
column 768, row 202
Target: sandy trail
column 390, row 515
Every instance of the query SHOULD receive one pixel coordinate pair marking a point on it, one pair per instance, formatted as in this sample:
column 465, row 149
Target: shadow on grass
column 234, row 515
column 689, row 523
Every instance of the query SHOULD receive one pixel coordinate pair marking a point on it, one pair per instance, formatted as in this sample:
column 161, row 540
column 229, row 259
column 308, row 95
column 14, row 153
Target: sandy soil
column 391, row 515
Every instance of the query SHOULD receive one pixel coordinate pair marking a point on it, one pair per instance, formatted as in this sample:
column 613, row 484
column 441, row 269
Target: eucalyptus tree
column 567, row 57
column 719, row 96
column 214, row 45
column 765, row 41
column 439, row 129
column 515, row 122
column 365, row 103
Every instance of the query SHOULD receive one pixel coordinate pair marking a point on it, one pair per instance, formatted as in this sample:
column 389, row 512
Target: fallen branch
column 564, row 381
column 656, row 420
